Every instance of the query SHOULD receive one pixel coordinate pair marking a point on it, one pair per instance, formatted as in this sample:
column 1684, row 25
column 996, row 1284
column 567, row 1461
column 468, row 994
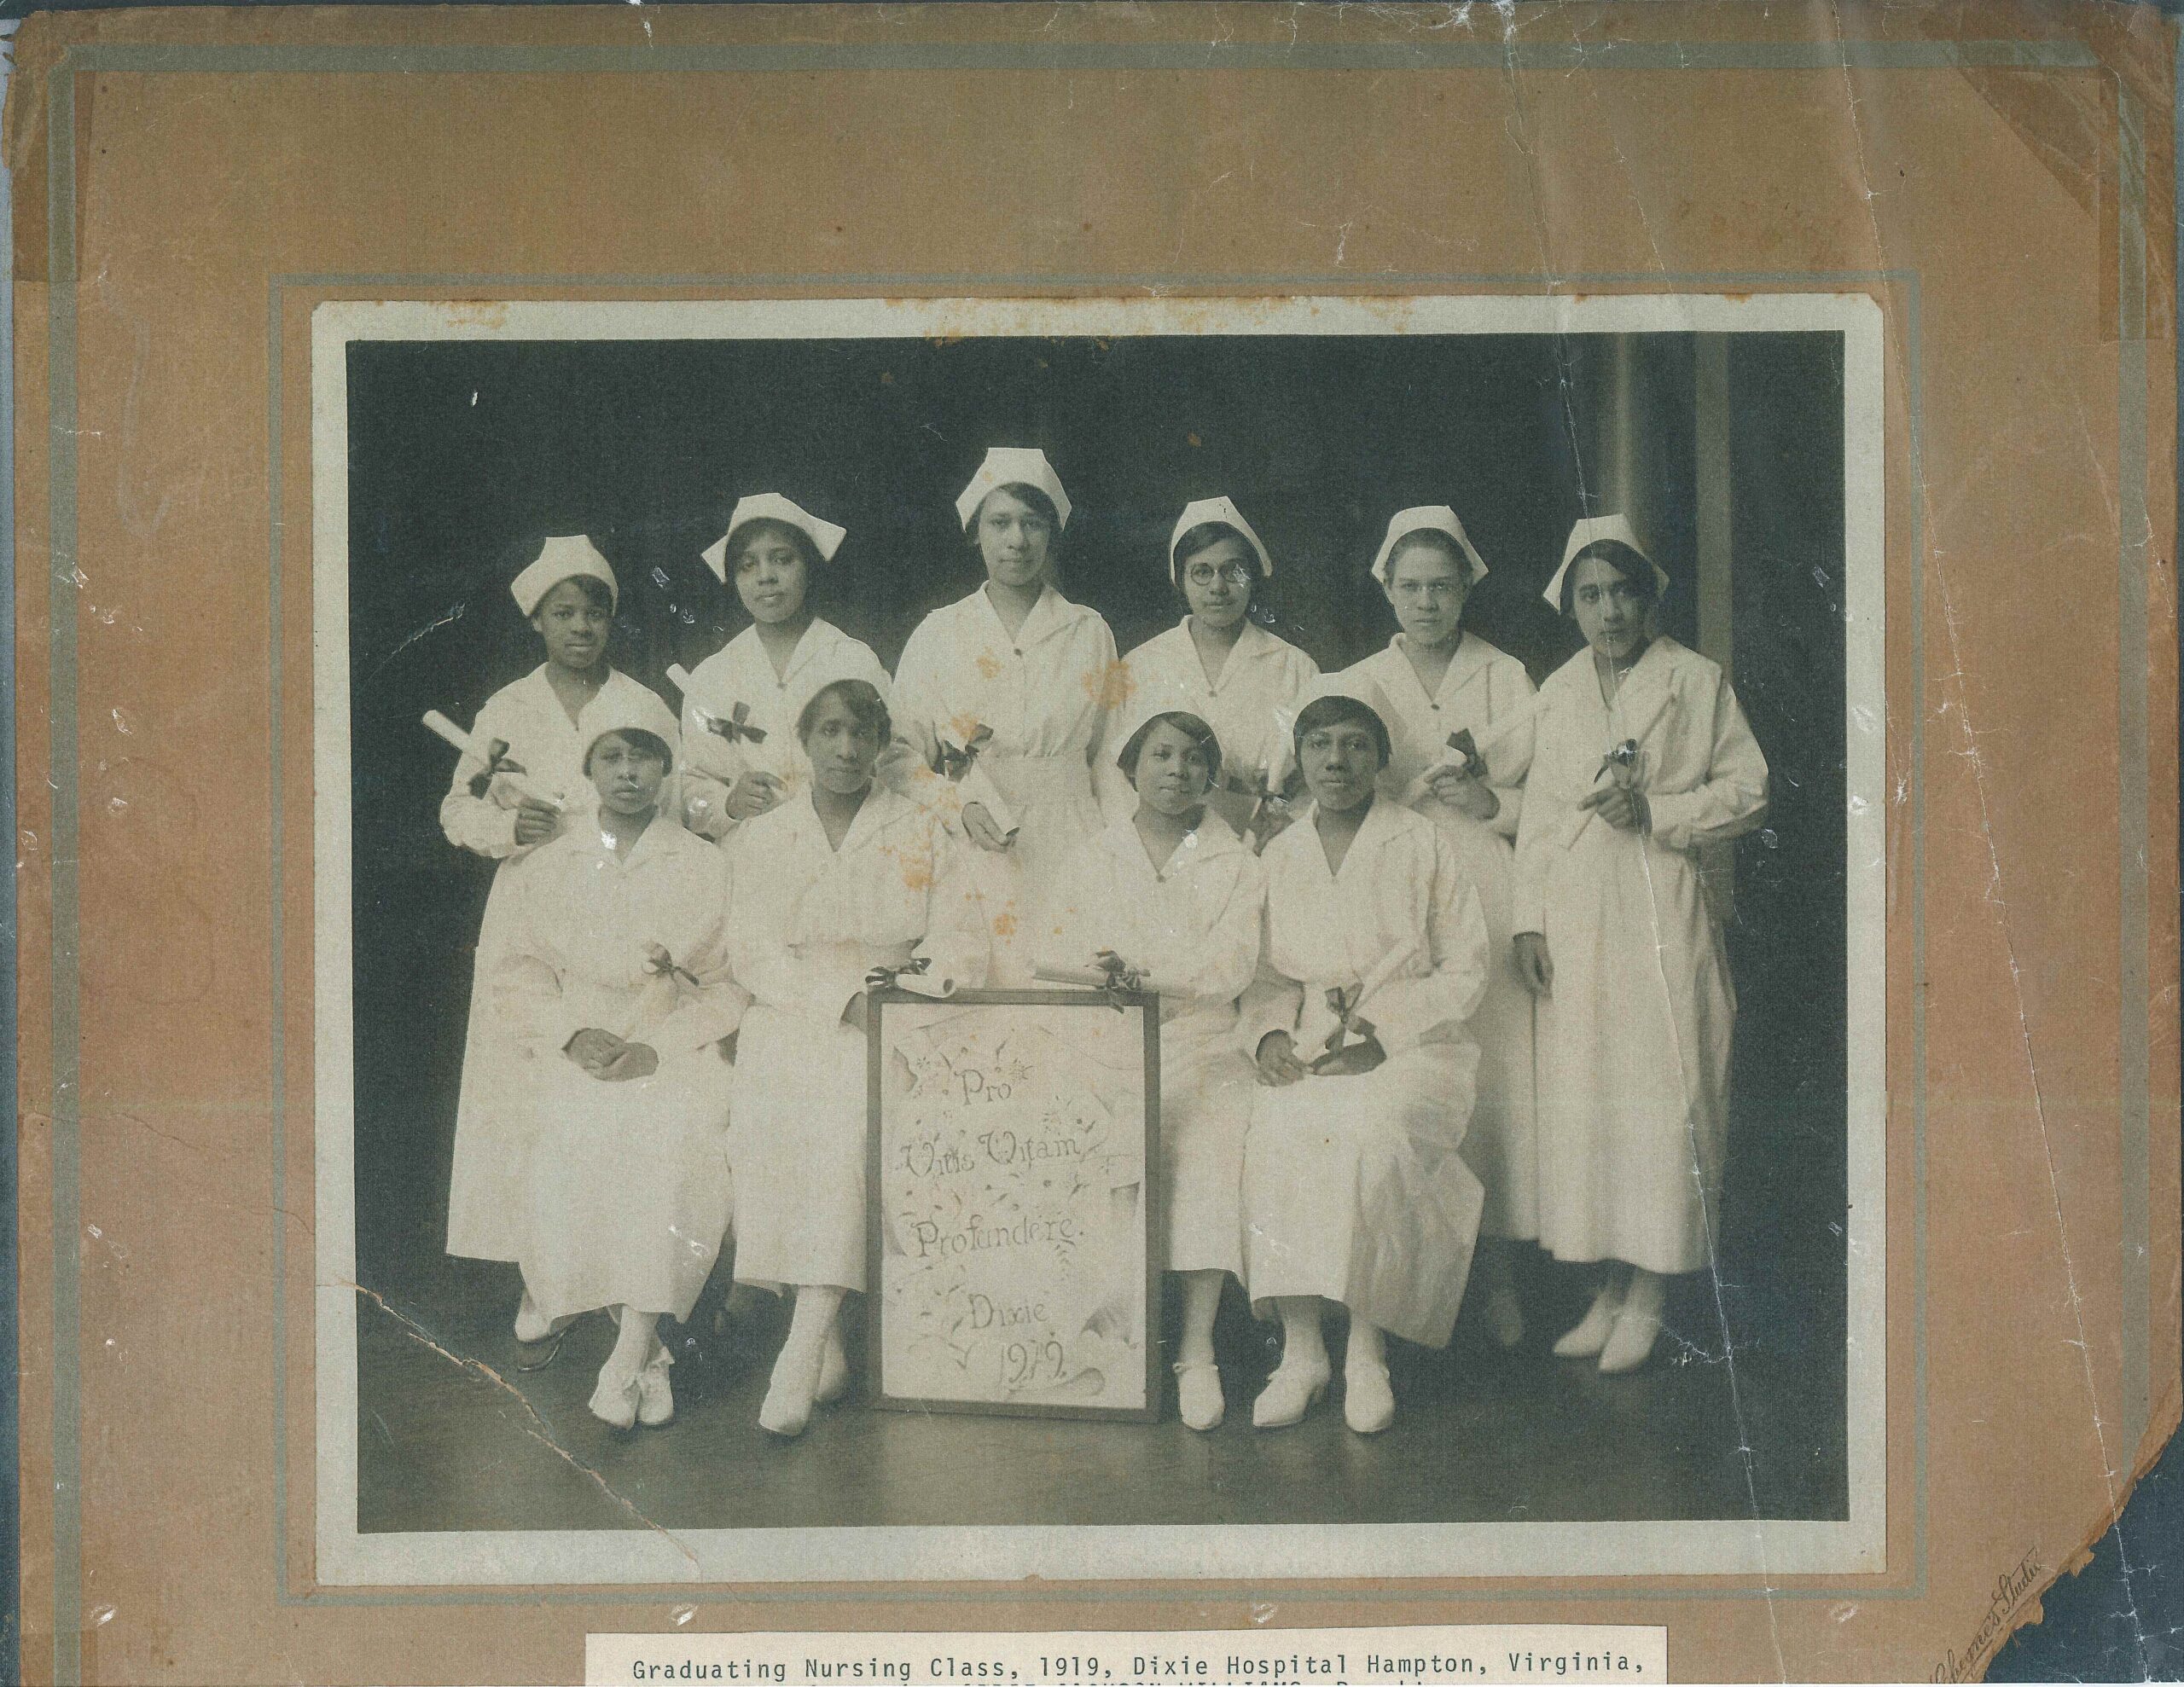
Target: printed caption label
column 1482, row 1652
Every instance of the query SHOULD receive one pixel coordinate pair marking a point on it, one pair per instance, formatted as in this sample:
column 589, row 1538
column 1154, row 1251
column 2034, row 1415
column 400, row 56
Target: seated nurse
column 1355, row 1192
column 848, row 878
column 614, row 979
column 1172, row 895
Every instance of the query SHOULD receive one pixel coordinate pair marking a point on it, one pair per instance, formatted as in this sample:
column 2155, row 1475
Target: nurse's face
column 1427, row 587
column 1173, row 771
column 1610, row 605
column 1339, row 764
column 842, row 748
column 626, row 777
column 769, row 577
column 1012, row 539
column 574, row 625
column 1217, row 582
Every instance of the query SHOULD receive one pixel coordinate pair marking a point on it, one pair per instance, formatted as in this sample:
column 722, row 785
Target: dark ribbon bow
column 883, row 977
column 1461, row 741
column 662, row 964
column 735, row 724
column 498, row 761
column 1623, row 759
column 1343, row 1004
column 1120, row 977
column 1263, row 796
column 954, row 763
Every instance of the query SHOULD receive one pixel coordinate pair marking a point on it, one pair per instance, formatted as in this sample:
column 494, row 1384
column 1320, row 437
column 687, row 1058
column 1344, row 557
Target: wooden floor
column 452, row 1435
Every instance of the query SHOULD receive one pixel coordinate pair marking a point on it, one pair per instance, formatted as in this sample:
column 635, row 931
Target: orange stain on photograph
column 989, row 666
column 964, row 725
column 1111, row 685
column 1004, row 923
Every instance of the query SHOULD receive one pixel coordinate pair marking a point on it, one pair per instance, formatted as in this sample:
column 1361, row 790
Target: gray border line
column 2133, row 1065
column 770, row 285
column 64, row 752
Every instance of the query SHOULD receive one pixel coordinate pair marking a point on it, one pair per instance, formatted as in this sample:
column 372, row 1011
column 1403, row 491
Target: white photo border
column 1318, row 1553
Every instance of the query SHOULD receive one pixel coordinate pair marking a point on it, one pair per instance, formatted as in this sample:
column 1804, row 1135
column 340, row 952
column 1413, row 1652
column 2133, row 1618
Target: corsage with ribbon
column 660, row 964
column 960, row 767
column 1620, row 764
column 1267, row 804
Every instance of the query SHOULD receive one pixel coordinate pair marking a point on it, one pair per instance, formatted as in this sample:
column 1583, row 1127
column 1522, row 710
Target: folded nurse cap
column 1422, row 519
column 625, row 707
column 1595, row 530
column 568, row 557
column 1153, row 700
column 826, row 537
column 1013, row 466
column 1353, row 683
column 1198, row 513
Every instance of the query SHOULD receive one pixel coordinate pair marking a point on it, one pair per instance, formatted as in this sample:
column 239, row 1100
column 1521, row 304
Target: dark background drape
column 464, row 455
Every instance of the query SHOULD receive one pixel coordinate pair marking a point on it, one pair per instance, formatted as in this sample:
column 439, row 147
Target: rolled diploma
column 1316, row 1022
column 977, row 785
column 925, row 984
column 730, row 750
column 521, row 782
column 1088, row 978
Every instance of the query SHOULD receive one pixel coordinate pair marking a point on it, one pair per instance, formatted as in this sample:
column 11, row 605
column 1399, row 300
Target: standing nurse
column 739, row 719
column 1221, row 666
column 1641, row 757
column 547, row 719
column 1016, row 681
column 1440, row 681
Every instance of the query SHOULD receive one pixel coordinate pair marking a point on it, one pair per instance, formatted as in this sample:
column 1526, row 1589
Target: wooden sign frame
column 1105, row 1002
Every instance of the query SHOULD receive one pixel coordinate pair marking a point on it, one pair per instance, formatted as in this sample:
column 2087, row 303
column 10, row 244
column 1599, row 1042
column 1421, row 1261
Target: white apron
column 1193, row 924
column 807, row 924
column 1487, row 694
column 627, row 1189
column 1045, row 695
column 486, row 1190
column 1634, row 1039
column 1355, row 1188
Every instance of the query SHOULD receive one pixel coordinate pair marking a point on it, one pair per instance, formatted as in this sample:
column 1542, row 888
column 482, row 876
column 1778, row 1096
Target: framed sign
column 1014, row 1139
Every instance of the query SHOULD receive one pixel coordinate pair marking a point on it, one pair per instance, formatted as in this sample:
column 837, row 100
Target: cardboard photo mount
column 189, row 187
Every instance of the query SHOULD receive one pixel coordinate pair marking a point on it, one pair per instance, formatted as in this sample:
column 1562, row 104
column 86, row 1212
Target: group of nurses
column 1434, row 967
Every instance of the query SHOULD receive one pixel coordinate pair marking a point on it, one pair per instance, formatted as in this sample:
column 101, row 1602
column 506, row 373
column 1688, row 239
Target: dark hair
column 1040, row 503
column 742, row 533
column 1631, row 564
column 596, row 593
column 1332, row 710
column 644, row 743
column 1434, row 539
column 1204, row 538
column 860, row 696
column 1183, row 721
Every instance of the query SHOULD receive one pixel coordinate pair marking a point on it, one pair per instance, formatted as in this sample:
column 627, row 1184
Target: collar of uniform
column 820, row 637
column 879, row 807
column 1212, row 835
column 1383, row 823
column 1051, row 614
column 1254, row 644
column 653, row 840
column 1470, row 662
column 1646, row 689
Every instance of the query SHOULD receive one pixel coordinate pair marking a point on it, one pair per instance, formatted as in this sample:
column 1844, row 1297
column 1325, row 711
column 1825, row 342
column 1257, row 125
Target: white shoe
column 834, row 1370
column 614, row 1400
column 1290, row 1393
column 1368, row 1404
column 787, row 1409
column 533, row 1325
column 1198, row 1398
column 1591, row 1333
column 1631, row 1344
column 655, row 1398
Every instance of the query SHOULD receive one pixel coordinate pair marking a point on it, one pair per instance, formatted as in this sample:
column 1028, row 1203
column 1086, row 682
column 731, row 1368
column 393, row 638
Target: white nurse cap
column 568, row 557
column 826, row 537
column 1203, row 510
column 1423, row 519
column 634, row 708
column 1595, row 530
column 1013, row 466
column 1148, row 706
column 1353, row 683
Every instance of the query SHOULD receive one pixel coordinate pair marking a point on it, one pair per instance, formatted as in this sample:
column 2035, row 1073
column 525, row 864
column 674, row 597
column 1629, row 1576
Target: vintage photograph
column 973, row 937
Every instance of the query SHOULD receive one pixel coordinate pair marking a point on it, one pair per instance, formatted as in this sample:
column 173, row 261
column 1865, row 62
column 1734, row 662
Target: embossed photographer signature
column 2011, row 1590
